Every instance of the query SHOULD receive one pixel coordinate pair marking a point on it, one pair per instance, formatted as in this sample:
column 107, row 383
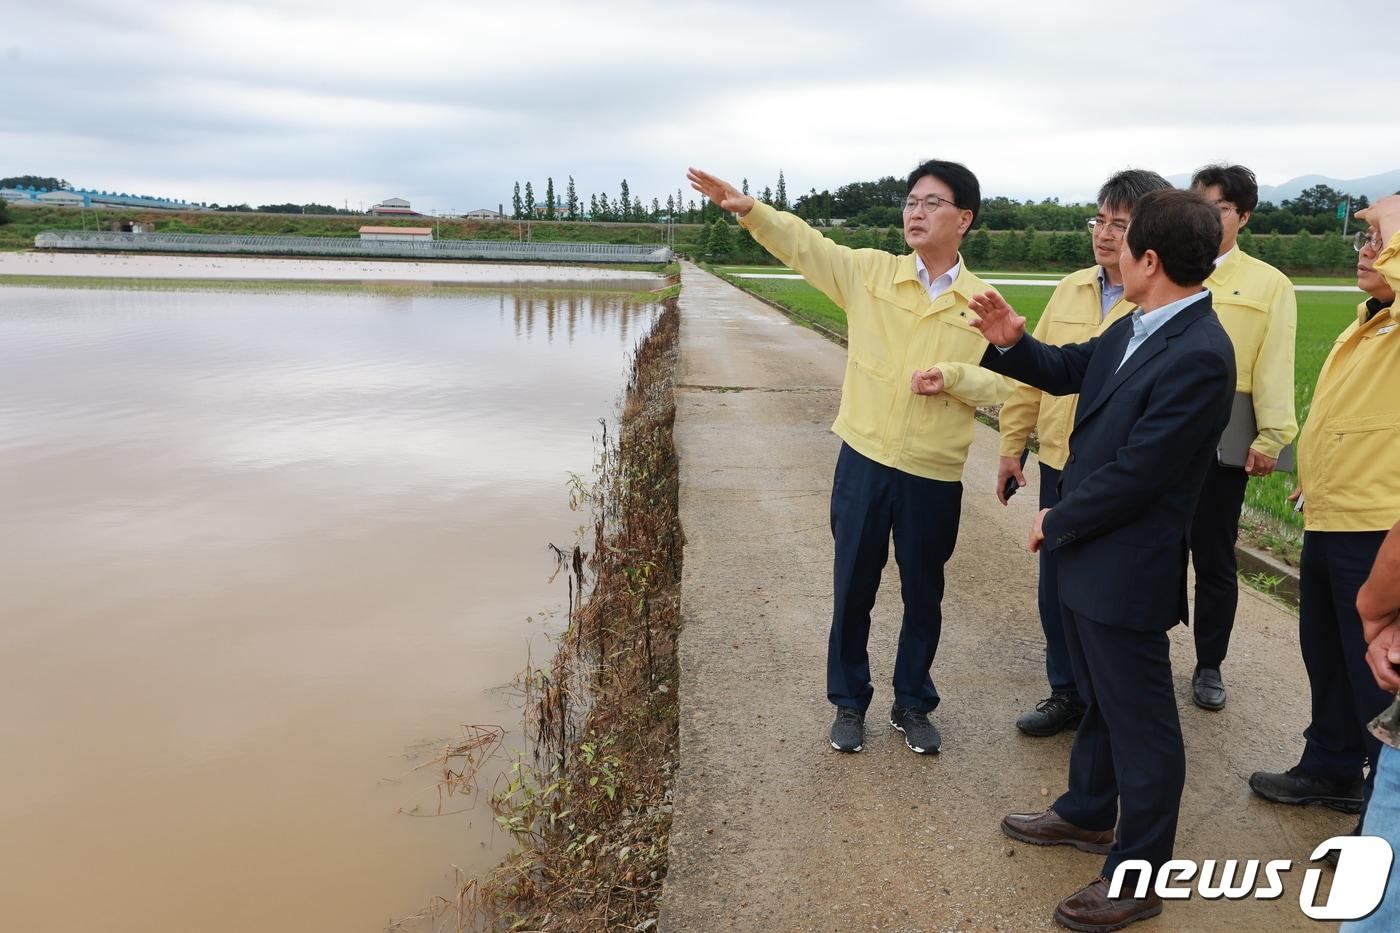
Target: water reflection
column 553, row 311
column 260, row 546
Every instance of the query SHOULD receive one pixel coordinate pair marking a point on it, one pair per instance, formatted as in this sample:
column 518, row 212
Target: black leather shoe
column 1051, row 715
column 1298, row 787
column 1208, row 688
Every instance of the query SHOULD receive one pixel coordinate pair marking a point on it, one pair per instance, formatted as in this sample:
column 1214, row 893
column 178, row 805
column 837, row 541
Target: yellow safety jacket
column 1257, row 307
column 1073, row 315
column 893, row 329
column 1352, row 436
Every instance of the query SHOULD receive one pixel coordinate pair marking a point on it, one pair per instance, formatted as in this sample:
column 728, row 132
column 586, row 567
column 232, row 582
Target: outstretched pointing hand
column 720, row 191
column 996, row 319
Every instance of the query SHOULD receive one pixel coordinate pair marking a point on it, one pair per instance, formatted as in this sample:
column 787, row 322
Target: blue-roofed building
column 87, row 197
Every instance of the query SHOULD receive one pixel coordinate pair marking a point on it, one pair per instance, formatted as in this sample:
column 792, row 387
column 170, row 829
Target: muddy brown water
column 263, row 554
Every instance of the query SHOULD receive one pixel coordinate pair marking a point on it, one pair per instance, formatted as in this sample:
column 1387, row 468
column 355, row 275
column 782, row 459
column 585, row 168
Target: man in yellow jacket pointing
column 900, row 467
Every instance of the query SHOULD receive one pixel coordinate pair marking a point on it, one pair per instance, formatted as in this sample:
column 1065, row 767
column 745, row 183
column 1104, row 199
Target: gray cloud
column 450, row 103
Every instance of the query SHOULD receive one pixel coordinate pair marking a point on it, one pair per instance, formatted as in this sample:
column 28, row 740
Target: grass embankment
column 26, row 222
column 592, row 812
column 1321, row 316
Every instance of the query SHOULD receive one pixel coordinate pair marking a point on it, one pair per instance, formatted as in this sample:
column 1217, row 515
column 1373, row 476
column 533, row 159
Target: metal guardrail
column 350, row 246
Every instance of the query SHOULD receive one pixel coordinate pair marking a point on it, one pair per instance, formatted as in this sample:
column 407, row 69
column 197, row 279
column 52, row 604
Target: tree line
column 879, row 203
column 627, row 206
column 35, row 181
column 1032, row 249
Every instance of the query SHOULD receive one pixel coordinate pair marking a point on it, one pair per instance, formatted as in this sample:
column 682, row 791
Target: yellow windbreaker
column 1257, row 307
column 893, row 329
column 1071, row 316
column 1352, row 436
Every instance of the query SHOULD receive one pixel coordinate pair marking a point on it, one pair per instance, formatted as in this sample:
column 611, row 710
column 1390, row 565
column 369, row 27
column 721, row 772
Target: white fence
column 350, row 246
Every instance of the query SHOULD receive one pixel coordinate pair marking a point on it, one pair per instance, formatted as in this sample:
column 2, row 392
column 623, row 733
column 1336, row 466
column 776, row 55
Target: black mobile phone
column 1011, row 486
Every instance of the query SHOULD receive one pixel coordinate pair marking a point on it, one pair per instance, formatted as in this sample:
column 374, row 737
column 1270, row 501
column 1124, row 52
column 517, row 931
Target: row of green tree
column 35, row 181
column 310, row 207
column 627, row 207
column 1037, row 250
column 877, row 204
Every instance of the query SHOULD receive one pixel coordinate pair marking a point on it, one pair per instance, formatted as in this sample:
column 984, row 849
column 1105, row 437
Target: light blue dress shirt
column 1147, row 323
column 1108, row 294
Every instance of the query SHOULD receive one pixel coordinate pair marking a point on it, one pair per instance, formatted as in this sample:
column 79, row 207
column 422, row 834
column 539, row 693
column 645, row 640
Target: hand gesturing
column 996, row 319
column 719, row 191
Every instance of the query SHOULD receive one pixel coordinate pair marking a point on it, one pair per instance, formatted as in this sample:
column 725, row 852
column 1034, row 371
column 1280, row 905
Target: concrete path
column 775, row 831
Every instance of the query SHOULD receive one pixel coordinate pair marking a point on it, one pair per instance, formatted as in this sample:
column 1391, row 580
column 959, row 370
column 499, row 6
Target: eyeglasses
column 1366, row 239
column 1224, row 207
column 929, row 203
column 1109, row 228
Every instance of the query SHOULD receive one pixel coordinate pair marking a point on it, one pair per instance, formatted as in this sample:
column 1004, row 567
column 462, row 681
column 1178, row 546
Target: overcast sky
column 448, row 103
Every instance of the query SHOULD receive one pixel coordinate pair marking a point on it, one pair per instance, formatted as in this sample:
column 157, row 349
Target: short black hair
column 967, row 193
column 1124, row 189
column 1182, row 228
column 1237, row 184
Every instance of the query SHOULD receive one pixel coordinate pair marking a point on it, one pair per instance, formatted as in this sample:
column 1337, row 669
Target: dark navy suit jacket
column 1144, row 437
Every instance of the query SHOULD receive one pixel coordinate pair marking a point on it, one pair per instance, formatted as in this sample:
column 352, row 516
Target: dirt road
column 776, row 831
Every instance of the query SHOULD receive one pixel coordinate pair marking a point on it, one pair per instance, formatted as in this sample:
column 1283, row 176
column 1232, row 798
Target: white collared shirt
column 1224, row 256
column 941, row 284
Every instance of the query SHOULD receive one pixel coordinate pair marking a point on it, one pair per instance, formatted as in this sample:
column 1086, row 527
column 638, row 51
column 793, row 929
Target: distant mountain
column 1372, row 186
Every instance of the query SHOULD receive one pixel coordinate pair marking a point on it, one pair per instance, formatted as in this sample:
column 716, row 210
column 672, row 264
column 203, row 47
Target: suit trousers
column 1128, row 754
column 1345, row 697
column 1214, row 529
column 1058, row 669
column 869, row 502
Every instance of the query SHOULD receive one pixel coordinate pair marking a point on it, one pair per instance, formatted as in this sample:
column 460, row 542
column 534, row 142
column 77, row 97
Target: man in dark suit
column 1155, row 393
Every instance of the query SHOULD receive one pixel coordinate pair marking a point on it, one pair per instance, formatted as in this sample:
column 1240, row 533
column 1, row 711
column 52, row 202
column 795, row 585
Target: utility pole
column 1346, row 216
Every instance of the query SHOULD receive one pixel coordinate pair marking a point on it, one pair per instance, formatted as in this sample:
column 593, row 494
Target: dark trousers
column 869, row 501
column 1345, row 697
column 1058, row 669
column 1128, row 749
column 1214, row 529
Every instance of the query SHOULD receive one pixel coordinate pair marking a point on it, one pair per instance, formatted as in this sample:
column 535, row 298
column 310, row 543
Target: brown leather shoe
column 1090, row 911
column 1048, row 829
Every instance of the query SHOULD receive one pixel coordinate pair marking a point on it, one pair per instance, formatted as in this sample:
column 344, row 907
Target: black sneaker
column 848, row 731
column 1051, row 715
column 1296, row 786
column 919, row 734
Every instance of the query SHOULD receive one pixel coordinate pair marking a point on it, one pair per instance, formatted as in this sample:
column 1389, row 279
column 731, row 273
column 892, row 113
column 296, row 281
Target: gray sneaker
column 919, row 734
column 848, row 731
